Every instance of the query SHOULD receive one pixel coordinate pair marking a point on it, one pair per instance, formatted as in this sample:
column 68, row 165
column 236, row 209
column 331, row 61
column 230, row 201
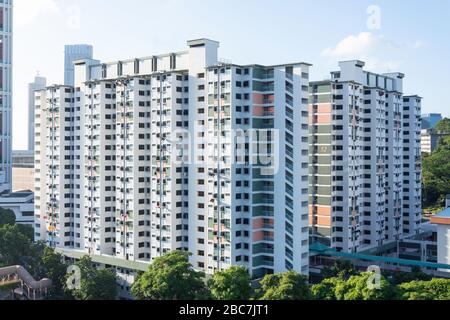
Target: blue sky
column 393, row 35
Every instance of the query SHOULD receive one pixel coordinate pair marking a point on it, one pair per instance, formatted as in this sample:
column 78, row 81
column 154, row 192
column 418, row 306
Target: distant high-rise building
column 6, row 16
column 71, row 54
column 38, row 84
column 359, row 184
column 430, row 120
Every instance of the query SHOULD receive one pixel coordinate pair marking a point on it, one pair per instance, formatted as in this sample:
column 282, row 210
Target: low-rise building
column 23, row 170
column 430, row 140
column 22, row 204
column 442, row 220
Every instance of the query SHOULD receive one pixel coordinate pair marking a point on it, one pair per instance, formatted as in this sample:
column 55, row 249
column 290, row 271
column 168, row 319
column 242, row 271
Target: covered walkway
column 27, row 287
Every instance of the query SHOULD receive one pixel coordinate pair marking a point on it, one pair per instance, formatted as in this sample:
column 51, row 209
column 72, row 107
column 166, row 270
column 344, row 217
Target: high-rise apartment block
column 364, row 159
column 6, row 25
column 71, row 54
column 177, row 151
column 412, row 164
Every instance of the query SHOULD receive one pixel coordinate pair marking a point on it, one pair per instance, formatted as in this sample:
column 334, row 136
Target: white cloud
column 376, row 51
column 371, row 48
column 355, row 46
column 28, row 11
column 420, row 44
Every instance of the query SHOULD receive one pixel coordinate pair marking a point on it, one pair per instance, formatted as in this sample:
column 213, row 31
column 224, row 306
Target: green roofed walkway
column 106, row 260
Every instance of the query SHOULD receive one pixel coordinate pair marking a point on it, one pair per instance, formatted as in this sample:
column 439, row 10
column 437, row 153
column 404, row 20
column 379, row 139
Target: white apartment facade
column 130, row 165
column 356, row 158
column 6, row 35
column 412, row 164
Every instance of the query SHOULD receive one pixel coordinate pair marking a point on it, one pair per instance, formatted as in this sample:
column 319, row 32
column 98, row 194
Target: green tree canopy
column 14, row 246
column 27, row 230
column 436, row 289
column 285, row 286
column 51, row 265
column 231, row 284
column 170, row 277
column 326, row 289
column 340, row 268
column 101, row 285
column 95, row 284
column 397, row 277
column 357, row 288
column 443, row 126
column 436, row 175
column 7, row 217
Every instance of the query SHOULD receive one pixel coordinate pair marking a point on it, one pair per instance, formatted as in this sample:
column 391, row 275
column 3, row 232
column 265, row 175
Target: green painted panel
column 324, row 139
column 324, row 170
column 263, row 211
column 325, row 191
column 263, row 123
column 262, row 260
column 323, row 159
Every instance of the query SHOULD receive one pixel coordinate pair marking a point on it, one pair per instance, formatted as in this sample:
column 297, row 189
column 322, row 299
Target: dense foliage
column 397, row 277
column 17, row 248
column 436, row 289
column 284, row 286
column 170, row 277
column 166, row 279
column 443, row 126
column 436, row 171
column 7, row 217
column 96, row 284
column 231, row 284
column 341, row 268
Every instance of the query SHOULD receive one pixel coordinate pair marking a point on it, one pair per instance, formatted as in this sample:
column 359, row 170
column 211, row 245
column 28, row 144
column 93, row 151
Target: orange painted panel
column 263, row 111
column 262, row 235
column 324, row 221
column 324, row 211
column 324, row 119
column 321, row 210
column 258, row 98
column 437, row 220
column 324, row 108
column 259, row 223
column 258, row 236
